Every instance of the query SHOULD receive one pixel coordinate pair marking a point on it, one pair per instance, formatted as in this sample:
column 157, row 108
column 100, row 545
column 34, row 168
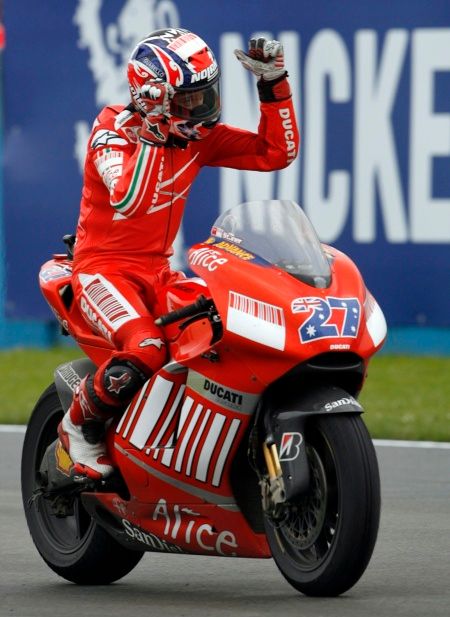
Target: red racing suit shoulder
column 134, row 193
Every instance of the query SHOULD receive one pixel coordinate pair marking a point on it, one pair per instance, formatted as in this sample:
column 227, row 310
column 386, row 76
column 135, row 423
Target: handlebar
column 201, row 305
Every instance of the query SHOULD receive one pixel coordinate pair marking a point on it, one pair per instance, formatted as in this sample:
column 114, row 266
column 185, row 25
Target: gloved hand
column 264, row 58
column 155, row 104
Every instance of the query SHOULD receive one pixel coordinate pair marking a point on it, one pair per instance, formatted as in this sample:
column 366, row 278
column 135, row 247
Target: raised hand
column 264, row 58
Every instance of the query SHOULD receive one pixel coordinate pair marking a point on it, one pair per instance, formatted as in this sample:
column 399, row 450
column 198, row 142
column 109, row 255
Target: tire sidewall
column 356, row 495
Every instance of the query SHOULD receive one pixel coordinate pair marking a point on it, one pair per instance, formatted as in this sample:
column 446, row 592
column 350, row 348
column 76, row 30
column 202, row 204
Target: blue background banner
column 371, row 87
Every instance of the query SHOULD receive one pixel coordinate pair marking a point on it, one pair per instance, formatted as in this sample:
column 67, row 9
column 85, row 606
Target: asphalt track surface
column 408, row 574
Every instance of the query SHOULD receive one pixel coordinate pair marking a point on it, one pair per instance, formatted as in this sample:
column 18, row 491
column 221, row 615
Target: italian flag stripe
column 136, row 181
column 143, row 191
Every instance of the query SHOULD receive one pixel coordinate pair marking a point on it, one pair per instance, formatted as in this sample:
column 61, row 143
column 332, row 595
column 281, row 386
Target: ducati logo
column 290, row 446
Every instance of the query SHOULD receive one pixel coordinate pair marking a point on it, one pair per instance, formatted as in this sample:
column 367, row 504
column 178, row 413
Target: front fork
column 272, row 485
column 284, row 472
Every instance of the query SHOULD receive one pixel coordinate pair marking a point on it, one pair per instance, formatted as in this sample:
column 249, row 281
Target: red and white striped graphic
column 151, row 412
column 256, row 320
column 106, row 301
column 200, row 444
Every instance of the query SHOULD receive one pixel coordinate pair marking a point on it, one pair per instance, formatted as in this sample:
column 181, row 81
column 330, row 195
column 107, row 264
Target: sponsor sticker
column 152, row 342
column 290, row 446
column 195, row 531
column 105, row 137
column 329, row 317
column 69, row 376
column 63, row 461
column 349, row 400
column 236, row 400
column 256, row 321
column 104, row 305
column 235, row 250
column 150, row 540
column 109, row 165
column 54, row 272
column 208, row 258
column 218, row 232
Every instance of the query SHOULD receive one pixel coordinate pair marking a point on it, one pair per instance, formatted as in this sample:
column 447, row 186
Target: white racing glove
column 155, row 104
column 265, row 59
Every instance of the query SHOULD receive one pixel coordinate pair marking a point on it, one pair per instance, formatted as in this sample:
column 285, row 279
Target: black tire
column 75, row 547
column 326, row 541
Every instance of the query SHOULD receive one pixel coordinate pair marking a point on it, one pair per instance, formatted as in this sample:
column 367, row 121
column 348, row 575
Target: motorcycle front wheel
column 325, row 540
column 73, row 546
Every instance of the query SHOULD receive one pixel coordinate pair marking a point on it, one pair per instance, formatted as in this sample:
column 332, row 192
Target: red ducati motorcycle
column 250, row 441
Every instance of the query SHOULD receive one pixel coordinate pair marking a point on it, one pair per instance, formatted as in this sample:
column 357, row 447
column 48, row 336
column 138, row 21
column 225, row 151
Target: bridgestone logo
column 69, row 376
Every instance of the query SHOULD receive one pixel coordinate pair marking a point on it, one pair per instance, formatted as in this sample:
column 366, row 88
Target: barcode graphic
column 105, row 301
column 256, row 320
column 256, row 308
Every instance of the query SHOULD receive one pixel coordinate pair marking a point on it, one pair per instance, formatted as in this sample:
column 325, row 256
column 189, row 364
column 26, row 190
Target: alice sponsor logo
column 208, row 258
column 180, row 526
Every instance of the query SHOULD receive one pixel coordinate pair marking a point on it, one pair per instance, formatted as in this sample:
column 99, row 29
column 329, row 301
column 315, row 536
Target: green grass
column 404, row 397
column 25, row 373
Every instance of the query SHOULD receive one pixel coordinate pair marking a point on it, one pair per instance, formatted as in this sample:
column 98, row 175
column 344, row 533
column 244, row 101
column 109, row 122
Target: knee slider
column 122, row 379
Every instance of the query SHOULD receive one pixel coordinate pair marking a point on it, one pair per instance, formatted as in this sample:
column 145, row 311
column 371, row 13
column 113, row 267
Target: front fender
column 285, row 427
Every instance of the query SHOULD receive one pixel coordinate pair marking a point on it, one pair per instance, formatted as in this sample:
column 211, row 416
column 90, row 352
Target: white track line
column 389, row 443
column 399, row 443
column 12, row 428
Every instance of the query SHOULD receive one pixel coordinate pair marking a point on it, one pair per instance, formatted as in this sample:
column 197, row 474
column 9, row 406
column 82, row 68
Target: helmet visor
column 202, row 105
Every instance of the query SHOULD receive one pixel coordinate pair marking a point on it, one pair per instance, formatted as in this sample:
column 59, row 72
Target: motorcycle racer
column 141, row 162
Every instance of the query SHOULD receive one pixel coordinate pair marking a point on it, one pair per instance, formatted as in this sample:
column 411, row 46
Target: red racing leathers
column 132, row 204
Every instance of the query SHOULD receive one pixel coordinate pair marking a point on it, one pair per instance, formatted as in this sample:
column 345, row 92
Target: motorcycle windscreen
column 279, row 232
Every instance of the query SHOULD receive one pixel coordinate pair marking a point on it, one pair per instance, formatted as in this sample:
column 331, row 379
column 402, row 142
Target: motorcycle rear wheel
column 73, row 546
column 324, row 544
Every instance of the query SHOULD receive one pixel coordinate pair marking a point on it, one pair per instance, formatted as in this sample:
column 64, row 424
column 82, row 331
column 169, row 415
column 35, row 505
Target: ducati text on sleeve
column 289, row 134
